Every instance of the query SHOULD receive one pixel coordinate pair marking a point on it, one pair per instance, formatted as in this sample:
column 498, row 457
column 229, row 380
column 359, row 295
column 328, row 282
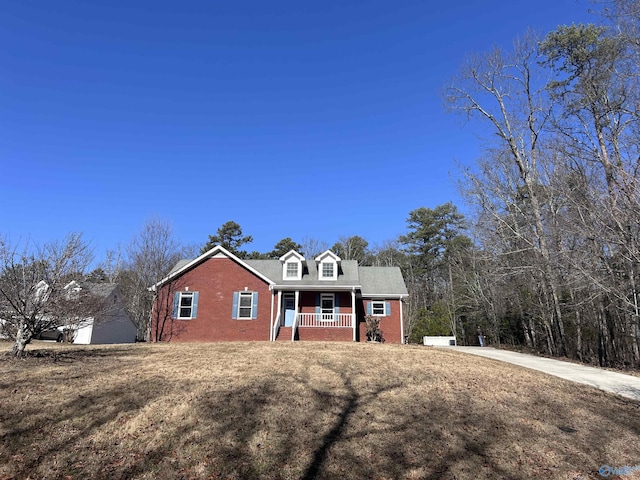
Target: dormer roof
column 290, row 255
column 328, row 254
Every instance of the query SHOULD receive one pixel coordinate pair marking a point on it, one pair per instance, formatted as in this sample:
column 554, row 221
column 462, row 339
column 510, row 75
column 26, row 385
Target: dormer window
column 328, row 265
column 292, row 265
column 327, row 270
column 292, row 270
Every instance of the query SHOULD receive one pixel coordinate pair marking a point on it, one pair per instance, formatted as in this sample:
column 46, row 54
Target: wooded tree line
column 556, row 232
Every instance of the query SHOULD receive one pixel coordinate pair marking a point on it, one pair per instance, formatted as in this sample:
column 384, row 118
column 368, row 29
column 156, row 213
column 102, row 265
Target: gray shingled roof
column 382, row 281
column 372, row 281
column 101, row 289
column 180, row 264
column 347, row 275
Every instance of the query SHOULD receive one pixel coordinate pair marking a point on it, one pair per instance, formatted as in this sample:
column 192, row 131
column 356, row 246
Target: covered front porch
column 316, row 314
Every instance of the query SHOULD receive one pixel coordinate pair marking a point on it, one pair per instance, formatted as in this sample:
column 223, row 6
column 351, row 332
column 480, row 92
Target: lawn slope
column 300, row 411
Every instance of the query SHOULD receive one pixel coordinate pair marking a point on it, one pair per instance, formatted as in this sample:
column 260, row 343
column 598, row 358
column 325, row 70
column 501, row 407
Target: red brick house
column 220, row 297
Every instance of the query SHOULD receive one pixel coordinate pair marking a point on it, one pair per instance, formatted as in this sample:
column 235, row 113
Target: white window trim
column 322, row 276
column 250, row 296
column 297, row 275
column 373, row 308
column 180, row 307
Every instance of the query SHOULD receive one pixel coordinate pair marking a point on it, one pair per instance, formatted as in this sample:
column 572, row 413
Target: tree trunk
column 23, row 337
column 548, row 279
column 579, row 336
column 636, row 335
column 603, row 337
column 633, row 320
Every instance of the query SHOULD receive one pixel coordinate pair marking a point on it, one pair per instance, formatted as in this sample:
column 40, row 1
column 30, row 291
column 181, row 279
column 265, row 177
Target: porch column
column 295, row 316
column 401, row 322
column 279, row 310
column 353, row 313
column 273, row 294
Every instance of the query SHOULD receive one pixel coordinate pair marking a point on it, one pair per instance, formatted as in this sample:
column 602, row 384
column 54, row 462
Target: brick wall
column 326, row 334
column 389, row 325
column 215, row 280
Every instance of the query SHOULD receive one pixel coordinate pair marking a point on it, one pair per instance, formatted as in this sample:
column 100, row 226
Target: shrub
column 374, row 334
column 434, row 321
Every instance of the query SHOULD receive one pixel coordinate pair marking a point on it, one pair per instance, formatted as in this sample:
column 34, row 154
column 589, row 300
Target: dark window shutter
column 176, row 303
column 194, row 310
column 234, row 312
column 254, row 305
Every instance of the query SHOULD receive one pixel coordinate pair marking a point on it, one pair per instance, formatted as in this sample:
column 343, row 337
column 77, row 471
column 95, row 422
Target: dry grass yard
column 300, row 411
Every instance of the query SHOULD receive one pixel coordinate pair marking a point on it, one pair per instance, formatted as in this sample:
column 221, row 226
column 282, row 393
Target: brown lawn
column 300, row 411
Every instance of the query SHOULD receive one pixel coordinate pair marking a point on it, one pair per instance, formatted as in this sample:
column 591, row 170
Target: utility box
column 434, row 341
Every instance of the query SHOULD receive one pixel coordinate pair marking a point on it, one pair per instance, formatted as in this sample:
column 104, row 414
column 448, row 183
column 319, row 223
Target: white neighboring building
column 112, row 324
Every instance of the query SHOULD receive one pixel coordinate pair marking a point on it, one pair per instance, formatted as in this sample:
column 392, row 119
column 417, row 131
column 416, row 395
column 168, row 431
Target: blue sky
column 293, row 118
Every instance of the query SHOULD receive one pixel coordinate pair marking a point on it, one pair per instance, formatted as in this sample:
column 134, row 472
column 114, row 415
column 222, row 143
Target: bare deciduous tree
column 312, row 247
column 150, row 255
column 556, row 198
column 352, row 248
column 505, row 91
column 33, row 297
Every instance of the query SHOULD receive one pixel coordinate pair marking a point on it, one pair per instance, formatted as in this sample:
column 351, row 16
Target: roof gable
column 327, row 255
column 215, row 252
column 290, row 255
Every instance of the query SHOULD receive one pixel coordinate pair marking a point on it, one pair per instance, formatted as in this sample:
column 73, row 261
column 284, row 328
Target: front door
column 289, row 310
column 327, row 304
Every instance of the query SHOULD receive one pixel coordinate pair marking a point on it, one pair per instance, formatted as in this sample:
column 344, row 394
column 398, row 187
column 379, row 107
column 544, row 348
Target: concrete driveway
column 619, row 383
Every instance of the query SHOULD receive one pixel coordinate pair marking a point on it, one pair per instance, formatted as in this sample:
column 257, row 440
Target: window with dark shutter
column 377, row 309
column 244, row 305
column 185, row 305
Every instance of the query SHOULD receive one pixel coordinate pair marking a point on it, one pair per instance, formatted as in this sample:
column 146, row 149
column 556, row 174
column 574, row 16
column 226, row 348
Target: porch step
column 284, row 334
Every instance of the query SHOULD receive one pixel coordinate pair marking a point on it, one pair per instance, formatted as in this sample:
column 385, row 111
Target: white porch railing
column 324, row 320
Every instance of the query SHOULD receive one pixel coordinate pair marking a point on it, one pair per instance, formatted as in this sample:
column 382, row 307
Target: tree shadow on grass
column 67, row 353
column 322, row 419
column 260, row 430
column 400, row 446
column 218, row 438
column 63, row 429
column 305, row 428
column 594, row 421
column 351, row 401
